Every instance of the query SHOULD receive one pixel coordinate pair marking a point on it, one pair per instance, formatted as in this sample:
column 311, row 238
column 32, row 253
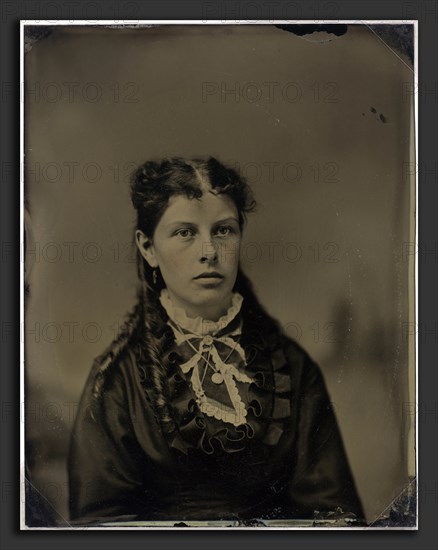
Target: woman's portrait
column 202, row 409
column 218, row 274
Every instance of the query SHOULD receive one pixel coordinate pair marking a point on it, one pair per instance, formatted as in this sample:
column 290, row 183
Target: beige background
column 345, row 296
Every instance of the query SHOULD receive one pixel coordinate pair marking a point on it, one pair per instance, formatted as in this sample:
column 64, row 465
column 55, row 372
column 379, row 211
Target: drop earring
column 154, row 276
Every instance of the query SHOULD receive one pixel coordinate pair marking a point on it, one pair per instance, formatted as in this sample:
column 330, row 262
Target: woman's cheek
column 230, row 251
column 178, row 254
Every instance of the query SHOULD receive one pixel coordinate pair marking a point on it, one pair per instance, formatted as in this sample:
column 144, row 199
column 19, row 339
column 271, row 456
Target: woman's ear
column 146, row 248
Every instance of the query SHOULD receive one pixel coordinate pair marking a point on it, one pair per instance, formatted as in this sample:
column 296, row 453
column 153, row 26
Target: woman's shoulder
column 289, row 355
column 111, row 373
column 266, row 331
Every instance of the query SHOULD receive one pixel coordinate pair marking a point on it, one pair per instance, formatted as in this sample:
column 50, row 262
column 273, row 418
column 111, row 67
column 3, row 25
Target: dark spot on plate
column 302, row 30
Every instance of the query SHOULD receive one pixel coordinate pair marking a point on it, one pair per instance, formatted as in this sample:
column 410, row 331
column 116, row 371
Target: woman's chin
column 212, row 294
column 210, row 302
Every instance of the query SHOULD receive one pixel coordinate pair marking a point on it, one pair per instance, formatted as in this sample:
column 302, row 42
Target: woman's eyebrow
column 227, row 220
column 176, row 224
column 192, row 224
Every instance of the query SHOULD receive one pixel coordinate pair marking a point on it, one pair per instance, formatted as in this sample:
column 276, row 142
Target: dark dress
column 286, row 462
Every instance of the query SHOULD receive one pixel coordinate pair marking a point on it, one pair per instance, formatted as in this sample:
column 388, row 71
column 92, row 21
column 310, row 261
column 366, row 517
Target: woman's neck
column 207, row 312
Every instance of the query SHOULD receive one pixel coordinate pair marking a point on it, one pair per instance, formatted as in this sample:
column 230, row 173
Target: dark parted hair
column 152, row 185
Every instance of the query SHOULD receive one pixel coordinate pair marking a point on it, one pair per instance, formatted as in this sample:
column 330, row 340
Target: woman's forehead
column 208, row 208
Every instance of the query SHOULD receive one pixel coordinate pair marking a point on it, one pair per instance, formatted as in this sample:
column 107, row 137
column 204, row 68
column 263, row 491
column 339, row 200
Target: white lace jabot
column 207, row 358
column 198, row 325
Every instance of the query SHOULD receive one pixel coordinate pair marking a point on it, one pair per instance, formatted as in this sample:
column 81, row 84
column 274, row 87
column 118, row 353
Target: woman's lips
column 212, row 275
column 209, row 280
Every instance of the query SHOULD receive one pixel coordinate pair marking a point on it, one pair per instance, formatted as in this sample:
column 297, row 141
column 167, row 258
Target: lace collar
column 198, row 325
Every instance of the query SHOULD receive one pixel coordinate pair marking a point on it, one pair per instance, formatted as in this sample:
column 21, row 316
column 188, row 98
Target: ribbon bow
column 207, row 344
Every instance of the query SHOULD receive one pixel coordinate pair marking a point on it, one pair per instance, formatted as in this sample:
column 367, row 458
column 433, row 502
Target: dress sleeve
column 104, row 463
column 322, row 482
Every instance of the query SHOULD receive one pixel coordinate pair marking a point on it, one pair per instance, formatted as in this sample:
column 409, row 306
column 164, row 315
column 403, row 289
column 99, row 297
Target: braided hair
column 146, row 329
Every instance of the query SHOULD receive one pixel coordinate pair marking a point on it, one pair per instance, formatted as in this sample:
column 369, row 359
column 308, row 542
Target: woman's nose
column 209, row 252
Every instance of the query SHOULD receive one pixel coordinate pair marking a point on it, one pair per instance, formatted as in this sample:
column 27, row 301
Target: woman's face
column 196, row 246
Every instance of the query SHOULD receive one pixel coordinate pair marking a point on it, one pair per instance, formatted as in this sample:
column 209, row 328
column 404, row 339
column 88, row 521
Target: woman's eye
column 224, row 230
column 184, row 233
